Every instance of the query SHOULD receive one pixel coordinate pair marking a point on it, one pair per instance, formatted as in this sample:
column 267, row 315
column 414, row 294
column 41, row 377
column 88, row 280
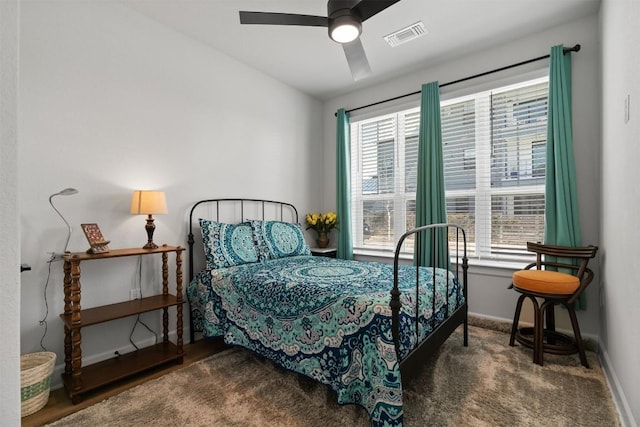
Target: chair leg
column 516, row 320
column 550, row 317
column 577, row 335
column 538, row 332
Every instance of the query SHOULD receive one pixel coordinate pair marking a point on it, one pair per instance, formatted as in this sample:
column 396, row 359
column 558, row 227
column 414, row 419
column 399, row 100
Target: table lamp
column 149, row 202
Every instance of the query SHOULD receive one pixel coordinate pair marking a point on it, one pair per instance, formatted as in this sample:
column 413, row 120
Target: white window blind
column 494, row 148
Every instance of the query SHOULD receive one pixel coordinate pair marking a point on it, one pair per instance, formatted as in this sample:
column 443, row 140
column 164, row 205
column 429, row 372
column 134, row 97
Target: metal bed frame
column 424, row 349
column 283, row 211
column 280, row 211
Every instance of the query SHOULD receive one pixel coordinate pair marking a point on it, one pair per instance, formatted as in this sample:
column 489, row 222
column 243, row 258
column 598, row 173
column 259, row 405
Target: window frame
column 482, row 249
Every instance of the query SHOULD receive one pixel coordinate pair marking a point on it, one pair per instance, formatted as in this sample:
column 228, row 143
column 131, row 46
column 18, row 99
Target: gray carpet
column 485, row 384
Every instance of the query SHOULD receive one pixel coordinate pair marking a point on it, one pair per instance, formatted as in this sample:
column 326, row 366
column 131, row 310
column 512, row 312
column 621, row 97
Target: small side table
column 325, row 252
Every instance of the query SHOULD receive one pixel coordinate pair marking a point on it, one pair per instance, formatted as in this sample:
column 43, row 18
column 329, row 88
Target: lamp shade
column 148, row 202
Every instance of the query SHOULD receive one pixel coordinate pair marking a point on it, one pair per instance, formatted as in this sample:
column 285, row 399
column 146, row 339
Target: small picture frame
column 96, row 239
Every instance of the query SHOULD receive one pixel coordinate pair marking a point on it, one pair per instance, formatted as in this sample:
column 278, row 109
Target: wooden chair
column 540, row 281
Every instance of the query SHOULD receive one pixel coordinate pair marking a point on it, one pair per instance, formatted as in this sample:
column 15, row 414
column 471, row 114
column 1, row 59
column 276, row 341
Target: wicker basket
column 36, row 370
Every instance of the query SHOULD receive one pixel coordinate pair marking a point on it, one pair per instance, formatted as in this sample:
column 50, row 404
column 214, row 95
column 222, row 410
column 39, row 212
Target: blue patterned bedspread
column 325, row 318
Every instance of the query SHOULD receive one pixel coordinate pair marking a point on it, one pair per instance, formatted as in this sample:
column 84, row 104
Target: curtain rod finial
column 575, row 48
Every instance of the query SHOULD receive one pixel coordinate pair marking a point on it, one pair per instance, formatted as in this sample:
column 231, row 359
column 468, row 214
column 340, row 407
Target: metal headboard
column 259, row 209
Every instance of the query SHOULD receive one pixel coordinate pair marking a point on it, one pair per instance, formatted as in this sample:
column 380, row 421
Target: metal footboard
column 457, row 264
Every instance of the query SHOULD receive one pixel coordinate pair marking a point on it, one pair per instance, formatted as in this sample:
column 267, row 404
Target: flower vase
column 323, row 239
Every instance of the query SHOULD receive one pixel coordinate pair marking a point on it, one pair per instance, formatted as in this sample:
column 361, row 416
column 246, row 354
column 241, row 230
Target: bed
column 358, row 327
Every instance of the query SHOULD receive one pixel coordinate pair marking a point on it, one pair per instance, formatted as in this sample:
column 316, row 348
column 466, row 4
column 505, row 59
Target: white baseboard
column 493, row 318
column 617, row 393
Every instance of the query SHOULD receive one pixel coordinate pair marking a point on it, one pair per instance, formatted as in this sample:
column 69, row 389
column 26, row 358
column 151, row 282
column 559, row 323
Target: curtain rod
column 575, row 48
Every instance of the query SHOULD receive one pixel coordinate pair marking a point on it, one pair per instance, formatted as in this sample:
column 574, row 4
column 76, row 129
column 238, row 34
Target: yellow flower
column 322, row 222
column 311, row 219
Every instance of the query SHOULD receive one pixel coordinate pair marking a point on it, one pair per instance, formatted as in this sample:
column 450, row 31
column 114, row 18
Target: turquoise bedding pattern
column 327, row 319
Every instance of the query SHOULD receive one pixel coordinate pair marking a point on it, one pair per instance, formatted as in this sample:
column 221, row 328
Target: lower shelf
column 117, row 368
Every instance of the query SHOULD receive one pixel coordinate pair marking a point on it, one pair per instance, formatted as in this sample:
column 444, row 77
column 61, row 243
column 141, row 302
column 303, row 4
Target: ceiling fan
column 344, row 21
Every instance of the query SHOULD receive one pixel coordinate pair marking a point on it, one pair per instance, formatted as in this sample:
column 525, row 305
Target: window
column 494, row 145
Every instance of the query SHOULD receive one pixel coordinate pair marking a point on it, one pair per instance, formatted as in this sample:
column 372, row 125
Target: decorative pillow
column 276, row 239
column 226, row 245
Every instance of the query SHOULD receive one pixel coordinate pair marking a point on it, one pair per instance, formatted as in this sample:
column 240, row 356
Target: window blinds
column 494, row 145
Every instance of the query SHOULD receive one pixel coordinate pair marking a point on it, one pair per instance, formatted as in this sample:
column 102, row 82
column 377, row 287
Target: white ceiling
column 305, row 57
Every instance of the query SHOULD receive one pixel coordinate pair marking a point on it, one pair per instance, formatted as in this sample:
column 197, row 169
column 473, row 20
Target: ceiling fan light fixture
column 344, row 29
column 344, row 22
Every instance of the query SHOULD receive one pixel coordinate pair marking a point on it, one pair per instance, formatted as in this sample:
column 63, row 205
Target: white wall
column 488, row 293
column 620, row 317
column 9, row 221
column 111, row 101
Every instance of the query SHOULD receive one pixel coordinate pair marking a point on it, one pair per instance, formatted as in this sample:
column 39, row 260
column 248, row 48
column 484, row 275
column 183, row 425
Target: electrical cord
column 138, row 320
column 43, row 321
column 134, row 328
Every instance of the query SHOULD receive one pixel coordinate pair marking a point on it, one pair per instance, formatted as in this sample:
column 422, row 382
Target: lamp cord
column 43, row 321
column 138, row 320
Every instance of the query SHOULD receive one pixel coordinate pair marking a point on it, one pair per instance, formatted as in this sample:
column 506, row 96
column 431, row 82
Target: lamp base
column 150, row 227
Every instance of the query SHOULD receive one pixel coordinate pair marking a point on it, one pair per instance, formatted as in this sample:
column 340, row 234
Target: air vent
column 407, row 34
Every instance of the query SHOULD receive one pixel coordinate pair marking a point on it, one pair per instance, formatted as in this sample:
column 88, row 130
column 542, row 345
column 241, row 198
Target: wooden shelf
column 116, row 253
column 105, row 313
column 111, row 370
column 79, row 379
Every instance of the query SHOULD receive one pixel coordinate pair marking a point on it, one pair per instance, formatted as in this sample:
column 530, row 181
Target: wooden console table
column 78, row 379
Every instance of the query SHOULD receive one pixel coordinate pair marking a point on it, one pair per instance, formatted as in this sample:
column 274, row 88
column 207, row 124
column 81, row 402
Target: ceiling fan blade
column 357, row 59
column 367, row 8
column 268, row 18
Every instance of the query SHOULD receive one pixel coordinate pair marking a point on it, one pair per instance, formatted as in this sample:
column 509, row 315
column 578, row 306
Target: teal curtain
column 562, row 222
column 343, row 186
column 431, row 205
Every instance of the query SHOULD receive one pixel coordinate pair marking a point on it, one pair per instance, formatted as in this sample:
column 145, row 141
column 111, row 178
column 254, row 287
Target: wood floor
column 59, row 404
